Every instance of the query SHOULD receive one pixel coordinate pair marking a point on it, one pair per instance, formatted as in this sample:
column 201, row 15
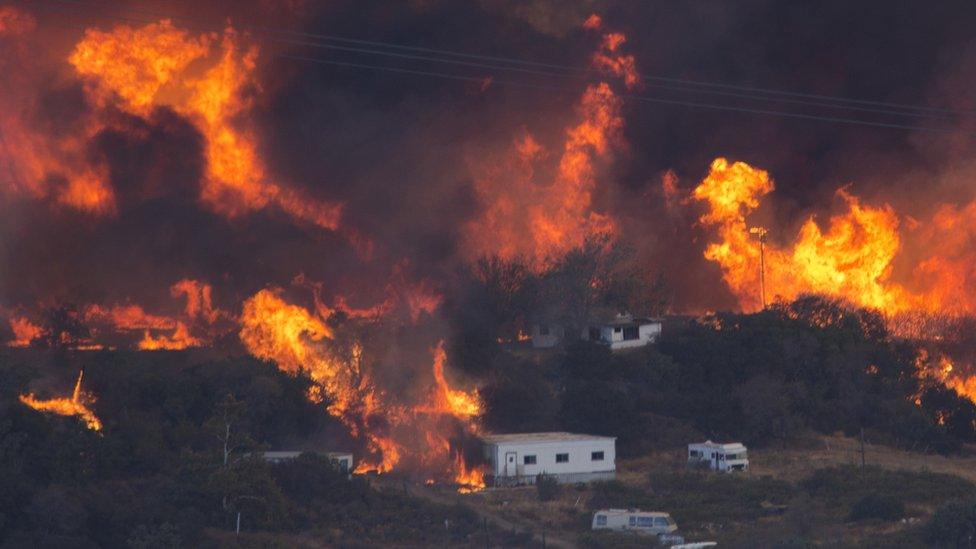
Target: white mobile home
column 727, row 457
column 517, row 458
column 634, row 520
column 624, row 332
column 342, row 460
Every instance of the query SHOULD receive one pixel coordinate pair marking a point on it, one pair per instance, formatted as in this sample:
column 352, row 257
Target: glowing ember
column 77, row 405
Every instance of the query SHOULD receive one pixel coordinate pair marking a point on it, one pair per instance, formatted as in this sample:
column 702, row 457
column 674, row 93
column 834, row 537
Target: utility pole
column 761, row 232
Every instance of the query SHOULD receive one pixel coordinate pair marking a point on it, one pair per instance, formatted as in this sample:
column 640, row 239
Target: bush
column 953, row 525
column 876, row 506
column 547, row 487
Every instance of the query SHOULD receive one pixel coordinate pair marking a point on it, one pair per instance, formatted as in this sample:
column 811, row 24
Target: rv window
column 645, row 522
column 562, row 458
column 601, row 520
column 543, row 329
column 528, row 460
column 632, row 521
column 596, row 456
column 661, row 521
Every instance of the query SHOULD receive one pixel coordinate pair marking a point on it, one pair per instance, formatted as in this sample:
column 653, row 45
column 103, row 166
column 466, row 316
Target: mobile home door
column 511, row 469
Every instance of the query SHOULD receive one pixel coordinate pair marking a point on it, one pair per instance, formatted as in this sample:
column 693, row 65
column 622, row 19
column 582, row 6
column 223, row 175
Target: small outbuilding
column 725, row 457
column 515, row 459
column 624, row 331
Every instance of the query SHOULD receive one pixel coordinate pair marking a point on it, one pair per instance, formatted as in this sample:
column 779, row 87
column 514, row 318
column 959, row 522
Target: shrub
column 953, row 525
column 546, row 486
column 876, row 506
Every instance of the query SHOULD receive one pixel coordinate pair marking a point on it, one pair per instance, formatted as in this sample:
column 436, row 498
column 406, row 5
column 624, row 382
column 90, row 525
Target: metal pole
column 762, row 267
column 238, row 523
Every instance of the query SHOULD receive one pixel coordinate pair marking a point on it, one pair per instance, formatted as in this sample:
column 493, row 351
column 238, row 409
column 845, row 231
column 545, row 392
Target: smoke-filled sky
column 417, row 163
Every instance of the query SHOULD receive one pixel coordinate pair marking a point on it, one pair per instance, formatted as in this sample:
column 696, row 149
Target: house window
column 528, row 460
column 596, row 456
column 543, row 329
column 562, row 458
column 631, row 332
column 601, row 520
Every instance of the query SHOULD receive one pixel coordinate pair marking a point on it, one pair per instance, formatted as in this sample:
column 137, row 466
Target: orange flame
column 77, row 405
column 203, row 78
column 851, row 260
column 540, row 223
column 299, row 340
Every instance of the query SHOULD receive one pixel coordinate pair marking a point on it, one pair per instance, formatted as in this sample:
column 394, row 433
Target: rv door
column 511, row 468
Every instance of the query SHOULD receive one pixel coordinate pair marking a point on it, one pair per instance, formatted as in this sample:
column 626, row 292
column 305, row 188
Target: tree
column 227, row 426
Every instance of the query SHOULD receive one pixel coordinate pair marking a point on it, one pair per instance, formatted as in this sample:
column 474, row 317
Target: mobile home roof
column 541, row 437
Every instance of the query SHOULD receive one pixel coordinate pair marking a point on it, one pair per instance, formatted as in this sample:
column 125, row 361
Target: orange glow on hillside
column 24, row 332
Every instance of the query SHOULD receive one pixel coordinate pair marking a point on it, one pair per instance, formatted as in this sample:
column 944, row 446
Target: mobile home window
column 632, row 521
column 528, row 460
column 596, row 456
column 601, row 520
column 696, row 453
column 617, row 329
column 562, row 458
column 631, row 332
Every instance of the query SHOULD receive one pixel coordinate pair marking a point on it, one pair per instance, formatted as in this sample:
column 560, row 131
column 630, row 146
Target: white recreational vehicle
column 727, row 457
column 517, row 458
column 341, row 460
column 634, row 520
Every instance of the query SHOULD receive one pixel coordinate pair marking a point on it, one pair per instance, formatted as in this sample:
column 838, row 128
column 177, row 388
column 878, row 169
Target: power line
column 642, row 98
column 765, row 93
column 631, row 97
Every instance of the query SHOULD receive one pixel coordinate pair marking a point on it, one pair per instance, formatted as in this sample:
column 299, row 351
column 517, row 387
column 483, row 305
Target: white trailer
column 515, row 459
column 634, row 520
column 724, row 457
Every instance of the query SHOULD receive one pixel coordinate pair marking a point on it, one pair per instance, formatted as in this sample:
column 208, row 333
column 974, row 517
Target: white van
column 634, row 520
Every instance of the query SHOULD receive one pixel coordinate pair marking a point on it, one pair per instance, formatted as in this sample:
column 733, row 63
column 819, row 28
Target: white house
column 624, row 332
column 517, row 458
column 342, row 460
column 727, row 457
